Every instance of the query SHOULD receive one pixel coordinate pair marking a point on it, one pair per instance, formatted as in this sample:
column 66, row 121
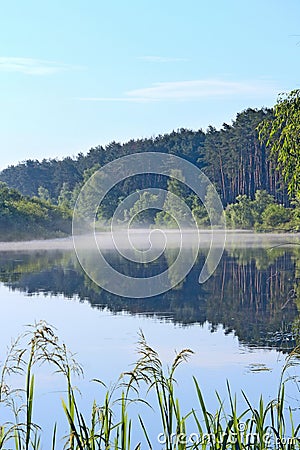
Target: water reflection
column 253, row 291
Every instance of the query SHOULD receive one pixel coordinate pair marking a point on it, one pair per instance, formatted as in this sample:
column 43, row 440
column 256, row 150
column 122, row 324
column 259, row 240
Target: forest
column 239, row 159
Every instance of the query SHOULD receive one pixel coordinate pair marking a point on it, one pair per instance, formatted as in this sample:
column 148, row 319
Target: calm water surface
column 239, row 323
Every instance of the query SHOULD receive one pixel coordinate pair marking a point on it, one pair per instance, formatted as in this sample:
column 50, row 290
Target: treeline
column 233, row 158
column 23, row 217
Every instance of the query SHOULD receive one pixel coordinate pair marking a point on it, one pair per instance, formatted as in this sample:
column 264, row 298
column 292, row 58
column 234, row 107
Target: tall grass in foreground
column 110, row 426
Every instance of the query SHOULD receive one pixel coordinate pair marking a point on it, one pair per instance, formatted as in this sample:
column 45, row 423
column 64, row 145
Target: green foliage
column 30, row 218
column 240, row 214
column 237, row 163
column 233, row 158
column 200, row 214
column 282, row 135
column 43, row 194
column 165, row 220
column 262, row 426
column 142, row 212
column 175, row 213
column 91, row 192
column 149, row 369
column 240, row 160
column 65, row 198
column 295, row 221
column 261, row 200
column 275, row 215
column 211, row 203
column 262, row 213
column 178, row 203
column 176, row 185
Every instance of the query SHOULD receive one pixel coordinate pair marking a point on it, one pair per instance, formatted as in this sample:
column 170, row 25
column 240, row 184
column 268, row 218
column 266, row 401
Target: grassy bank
column 111, row 424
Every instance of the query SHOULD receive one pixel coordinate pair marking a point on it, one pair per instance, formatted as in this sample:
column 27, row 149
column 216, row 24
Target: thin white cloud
column 31, row 66
column 115, row 99
column 162, row 59
column 193, row 90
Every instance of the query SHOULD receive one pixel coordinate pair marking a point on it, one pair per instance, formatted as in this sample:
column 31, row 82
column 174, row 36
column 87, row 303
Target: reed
column 111, row 426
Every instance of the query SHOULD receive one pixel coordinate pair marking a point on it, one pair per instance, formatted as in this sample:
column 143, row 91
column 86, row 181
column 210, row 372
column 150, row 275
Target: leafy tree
column 240, row 214
column 43, row 194
column 143, row 212
column 262, row 213
column 176, row 213
column 200, row 214
column 178, row 203
column 25, row 218
column 65, row 198
column 275, row 215
column 261, row 200
column 176, row 185
column 89, row 196
column 282, row 136
column 295, row 222
column 211, row 204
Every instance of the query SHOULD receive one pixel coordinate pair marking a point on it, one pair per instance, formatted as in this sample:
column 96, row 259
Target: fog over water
column 141, row 238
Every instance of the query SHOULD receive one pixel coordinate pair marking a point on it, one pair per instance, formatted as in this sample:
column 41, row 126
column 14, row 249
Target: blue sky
column 75, row 74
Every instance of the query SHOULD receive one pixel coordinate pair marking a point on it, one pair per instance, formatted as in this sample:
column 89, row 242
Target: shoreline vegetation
column 253, row 165
column 23, row 218
column 115, row 418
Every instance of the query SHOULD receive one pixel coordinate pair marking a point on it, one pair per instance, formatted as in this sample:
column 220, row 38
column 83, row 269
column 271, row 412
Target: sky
column 76, row 74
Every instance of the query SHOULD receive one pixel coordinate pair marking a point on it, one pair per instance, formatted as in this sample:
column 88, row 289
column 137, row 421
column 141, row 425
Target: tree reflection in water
column 253, row 291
